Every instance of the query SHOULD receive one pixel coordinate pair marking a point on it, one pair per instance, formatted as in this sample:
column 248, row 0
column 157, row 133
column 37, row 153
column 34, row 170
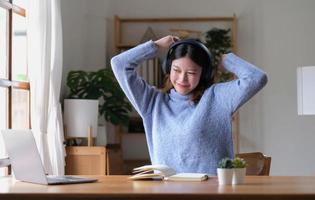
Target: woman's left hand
column 166, row 42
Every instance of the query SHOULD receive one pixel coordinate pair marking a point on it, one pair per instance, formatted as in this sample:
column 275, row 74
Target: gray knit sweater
column 186, row 136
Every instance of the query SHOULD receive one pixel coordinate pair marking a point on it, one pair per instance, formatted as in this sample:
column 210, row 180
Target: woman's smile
column 185, row 75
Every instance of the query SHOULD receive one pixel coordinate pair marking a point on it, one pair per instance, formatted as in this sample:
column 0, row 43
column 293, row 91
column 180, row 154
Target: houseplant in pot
column 239, row 166
column 218, row 42
column 100, row 85
column 225, row 171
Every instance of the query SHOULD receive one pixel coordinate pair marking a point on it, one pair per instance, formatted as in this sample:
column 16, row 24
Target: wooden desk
column 119, row 187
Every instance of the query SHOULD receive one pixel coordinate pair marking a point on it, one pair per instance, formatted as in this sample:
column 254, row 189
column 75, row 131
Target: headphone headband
column 192, row 42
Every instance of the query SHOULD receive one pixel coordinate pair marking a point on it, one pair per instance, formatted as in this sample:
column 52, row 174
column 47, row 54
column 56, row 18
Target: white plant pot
column 225, row 176
column 239, row 175
column 79, row 115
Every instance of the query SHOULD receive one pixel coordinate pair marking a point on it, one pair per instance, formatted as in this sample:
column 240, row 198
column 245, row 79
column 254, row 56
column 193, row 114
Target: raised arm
column 251, row 79
column 140, row 94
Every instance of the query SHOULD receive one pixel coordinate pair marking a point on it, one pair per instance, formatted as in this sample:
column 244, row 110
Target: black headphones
column 206, row 70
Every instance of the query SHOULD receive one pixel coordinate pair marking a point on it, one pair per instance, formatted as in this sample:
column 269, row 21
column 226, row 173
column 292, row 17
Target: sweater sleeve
column 140, row 94
column 235, row 93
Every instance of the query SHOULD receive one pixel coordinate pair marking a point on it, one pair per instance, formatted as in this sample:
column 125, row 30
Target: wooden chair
column 257, row 163
column 5, row 162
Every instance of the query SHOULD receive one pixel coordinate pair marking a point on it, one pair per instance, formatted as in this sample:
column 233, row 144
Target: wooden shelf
column 119, row 21
column 125, row 46
column 175, row 19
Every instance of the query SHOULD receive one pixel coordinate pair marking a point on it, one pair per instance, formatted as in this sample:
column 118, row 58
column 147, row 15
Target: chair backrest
column 5, row 162
column 257, row 163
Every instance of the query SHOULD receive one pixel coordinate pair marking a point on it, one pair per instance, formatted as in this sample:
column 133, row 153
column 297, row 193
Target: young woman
column 188, row 124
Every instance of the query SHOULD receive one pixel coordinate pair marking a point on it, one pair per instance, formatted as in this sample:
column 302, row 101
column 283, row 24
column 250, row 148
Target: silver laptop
column 26, row 162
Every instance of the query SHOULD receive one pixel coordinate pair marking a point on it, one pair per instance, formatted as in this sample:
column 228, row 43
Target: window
column 14, row 84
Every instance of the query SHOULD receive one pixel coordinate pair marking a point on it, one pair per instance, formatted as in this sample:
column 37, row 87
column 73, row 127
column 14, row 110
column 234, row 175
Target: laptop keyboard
column 63, row 179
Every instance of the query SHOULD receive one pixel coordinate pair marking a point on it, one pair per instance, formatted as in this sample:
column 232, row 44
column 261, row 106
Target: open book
column 164, row 172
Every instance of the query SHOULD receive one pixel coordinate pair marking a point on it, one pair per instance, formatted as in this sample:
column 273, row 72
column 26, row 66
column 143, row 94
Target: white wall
column 276, row 35
column 84, row 36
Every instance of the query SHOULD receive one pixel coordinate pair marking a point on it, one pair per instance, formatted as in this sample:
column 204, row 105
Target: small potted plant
column 239, row 166
column 225, row 171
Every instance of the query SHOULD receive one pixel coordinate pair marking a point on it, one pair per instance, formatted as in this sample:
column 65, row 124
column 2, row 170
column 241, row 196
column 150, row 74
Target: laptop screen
column 25, row 159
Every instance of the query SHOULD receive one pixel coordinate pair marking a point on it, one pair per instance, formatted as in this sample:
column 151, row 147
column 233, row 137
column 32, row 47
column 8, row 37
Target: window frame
column 8, row 82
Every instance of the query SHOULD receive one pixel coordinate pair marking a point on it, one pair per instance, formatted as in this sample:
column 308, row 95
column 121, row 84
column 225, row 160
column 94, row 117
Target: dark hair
column 200, row 57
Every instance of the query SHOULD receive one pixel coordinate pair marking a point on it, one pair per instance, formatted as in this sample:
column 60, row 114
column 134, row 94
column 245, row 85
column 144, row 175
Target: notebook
column 165, row 172
column 26, row 162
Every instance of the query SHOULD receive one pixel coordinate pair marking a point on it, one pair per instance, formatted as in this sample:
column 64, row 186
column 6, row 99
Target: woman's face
column 185, row 75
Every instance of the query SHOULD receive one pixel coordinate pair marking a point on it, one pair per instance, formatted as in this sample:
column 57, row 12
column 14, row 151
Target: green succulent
column 239, row 162
column 226, row 163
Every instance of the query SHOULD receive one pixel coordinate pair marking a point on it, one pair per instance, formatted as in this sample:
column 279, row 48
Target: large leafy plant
column 100, row 85
column 218, row 42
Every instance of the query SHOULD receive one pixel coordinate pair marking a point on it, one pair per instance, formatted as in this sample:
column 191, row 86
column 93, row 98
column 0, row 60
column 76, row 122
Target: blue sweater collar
column 178, row 97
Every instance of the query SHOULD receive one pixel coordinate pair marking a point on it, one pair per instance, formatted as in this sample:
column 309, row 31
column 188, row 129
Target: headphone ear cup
column 208, row 74
column 211, row 71
column 166, row 63
column 164, row 66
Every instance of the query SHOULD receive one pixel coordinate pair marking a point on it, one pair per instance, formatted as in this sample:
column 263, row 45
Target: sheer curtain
column 45, row 71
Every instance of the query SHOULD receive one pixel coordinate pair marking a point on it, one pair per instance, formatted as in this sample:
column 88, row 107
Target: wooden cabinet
column 96, row 160
column 86, row 160
column 114, row 160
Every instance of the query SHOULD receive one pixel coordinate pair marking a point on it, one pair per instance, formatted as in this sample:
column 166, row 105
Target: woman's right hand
column 166, row 42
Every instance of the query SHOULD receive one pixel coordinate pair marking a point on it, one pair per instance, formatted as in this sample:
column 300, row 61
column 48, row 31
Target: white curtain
column 45, row 72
